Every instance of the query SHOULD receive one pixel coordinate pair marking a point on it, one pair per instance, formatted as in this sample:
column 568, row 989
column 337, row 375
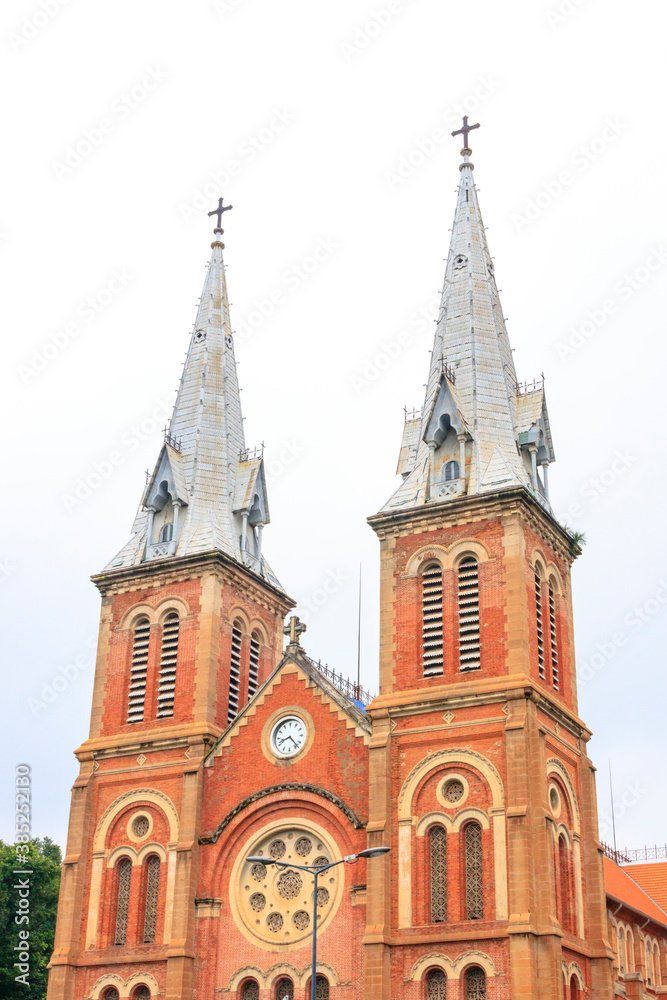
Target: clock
column 288, row 736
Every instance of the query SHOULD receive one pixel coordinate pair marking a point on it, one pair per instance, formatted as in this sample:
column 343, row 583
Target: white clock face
column 288, row 736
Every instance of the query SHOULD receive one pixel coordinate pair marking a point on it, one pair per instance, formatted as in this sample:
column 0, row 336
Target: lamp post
column 316, row 871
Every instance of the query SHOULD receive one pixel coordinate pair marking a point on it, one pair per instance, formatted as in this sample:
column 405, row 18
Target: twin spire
column 479, row 430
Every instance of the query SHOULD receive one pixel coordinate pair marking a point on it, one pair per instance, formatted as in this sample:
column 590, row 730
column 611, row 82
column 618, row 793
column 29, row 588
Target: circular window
column 301, row 920
column 289, row 884
column 554, row 800
column 453, row 791
column 140, row 826
column 274, row 922
column 303, row 846
column 277, row 849
column 258, row 872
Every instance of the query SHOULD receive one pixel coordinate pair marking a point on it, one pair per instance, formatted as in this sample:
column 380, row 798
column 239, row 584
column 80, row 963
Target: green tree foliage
column 43, row 862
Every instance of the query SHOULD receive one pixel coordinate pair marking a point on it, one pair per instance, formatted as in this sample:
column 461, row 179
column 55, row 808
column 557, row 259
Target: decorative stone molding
column 453, row 968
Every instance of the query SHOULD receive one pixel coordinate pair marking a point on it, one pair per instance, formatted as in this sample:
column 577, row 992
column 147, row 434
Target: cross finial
column 464, row 132
column 218, row 211
column 295, row 628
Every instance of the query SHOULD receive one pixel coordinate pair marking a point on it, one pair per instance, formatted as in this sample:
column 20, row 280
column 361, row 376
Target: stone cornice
column 175, row 737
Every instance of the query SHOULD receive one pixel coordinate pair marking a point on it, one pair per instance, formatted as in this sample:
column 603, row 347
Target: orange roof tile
column 652, row 878
column 622, row 887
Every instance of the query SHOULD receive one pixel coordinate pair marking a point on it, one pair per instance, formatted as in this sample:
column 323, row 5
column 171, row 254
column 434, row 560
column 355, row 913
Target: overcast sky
column 326, row 124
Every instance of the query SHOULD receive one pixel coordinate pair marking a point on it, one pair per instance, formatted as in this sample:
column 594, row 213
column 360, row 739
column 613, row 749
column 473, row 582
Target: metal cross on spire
column 295, row 628
column 464, row 132
column 218, row 211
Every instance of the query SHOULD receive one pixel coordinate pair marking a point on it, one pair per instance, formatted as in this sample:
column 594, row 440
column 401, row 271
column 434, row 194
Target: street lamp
column 316, row 871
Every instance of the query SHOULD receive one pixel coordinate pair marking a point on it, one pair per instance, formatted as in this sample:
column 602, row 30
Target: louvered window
column 540, row 624
column 438, row 863
column 553, row 635
column 436, row 985
column 284, row 989
column 235, row 672
column 475, row 984
column 253, row 666
column 432, row 620
column 474, row 872
column 250, row 990
column 152, row 891
column 168, row 657
column 123, row 884
column 469, row 648
column 137, row 696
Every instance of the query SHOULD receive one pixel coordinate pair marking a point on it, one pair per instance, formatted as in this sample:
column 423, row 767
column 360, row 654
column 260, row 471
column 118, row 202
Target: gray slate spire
column 207, row 492
column 479, row 430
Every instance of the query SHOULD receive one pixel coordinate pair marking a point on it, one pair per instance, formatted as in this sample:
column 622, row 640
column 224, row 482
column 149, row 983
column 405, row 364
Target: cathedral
column 222, row 760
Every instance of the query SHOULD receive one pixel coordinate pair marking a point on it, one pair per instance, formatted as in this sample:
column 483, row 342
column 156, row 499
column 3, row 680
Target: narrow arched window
column 574, row 988
column 475, row 984
column 657, row 971
column 166, row 532
column 284, row 989
column 437, row 842
column 123, row 885
column 566, row 887
column 111, row 993
column 649, row 964
column 436, row 985
column 621, row 950
column 540, row 622
column 168, row 657
column 250, row 990
column 137, row 695
column 141, row 993
column 469, row 647
column 452, row 470
column 235, row 671
column 474, row 872
column 253, row 665
column 321, row 988
column 553, row 635
column 152, row 892
column 432, row 620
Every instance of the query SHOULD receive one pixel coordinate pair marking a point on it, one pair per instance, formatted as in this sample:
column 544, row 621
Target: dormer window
column 452, row 471
column 166, row 532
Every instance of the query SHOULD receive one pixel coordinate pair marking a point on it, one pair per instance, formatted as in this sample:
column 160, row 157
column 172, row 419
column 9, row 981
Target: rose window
column 274, row 903
column 453, row 791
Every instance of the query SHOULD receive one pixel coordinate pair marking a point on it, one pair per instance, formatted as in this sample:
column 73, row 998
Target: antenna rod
column 359, row 642
column 613, row 818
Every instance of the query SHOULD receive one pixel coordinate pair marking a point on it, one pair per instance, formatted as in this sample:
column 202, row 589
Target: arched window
column 657, row 971
column 649, row 964
column 253, row 666
column 452, row 470
column 469, row 648
column 284, row 989
column 123, row 885
column 152, row 892
column 474, row 872
column 321, row 988
column 475, row 984
column 621, row 950
column 553, row 635
column 574, row 988
column 437, row 841
column 432, row 620
column 168, row 657
column 436, row 985
column 250, row 990
column 137, row 695
column 141, row 993
column 566, row 888
column 540, row 623
column 111, row 993
column 630, row 944
column 166, row 532
column 235, row 671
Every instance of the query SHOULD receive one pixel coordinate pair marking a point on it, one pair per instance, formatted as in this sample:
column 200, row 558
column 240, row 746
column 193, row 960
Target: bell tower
column 479, row 764
column 191, row 625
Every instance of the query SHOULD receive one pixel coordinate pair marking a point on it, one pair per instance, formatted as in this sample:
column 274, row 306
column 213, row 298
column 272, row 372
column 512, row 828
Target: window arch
column 565, row 876
column 475, row 983
column 253, row 665
column 432, row 634
column 539, row 621
column 138, row 670
column 474, row 871
column 111, row 993
column 574, row 988
column 452, row 470
column 284, row 989
column 553, row 634
column 250, row 990
column 321, row 987
column 436, row 985
column 437, row 844
column 469, row 645
column 151, row 898
column 168, row 657
column 235, row 670
column 167, row 532
column 123, row 886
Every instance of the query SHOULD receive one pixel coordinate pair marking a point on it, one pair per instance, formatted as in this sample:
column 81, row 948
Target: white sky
column 335, row 110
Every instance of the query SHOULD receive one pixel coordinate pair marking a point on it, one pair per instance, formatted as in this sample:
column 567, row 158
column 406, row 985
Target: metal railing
column 628, row 857
column 354, row 691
